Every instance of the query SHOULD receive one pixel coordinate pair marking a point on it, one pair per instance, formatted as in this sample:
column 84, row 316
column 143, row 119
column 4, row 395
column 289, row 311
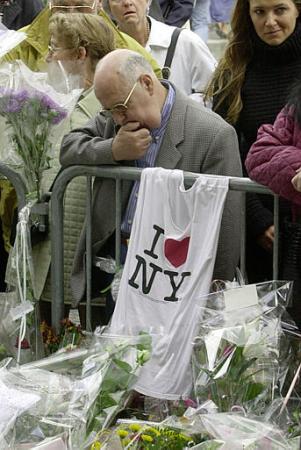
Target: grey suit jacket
column 195, row 140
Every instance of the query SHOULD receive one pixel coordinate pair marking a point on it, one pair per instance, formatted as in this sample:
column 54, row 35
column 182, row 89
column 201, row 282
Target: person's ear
column 147, row 83
column 82, row 52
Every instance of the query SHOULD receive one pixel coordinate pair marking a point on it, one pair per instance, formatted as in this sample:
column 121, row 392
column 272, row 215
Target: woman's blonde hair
column 228, row 78
column 76, row 30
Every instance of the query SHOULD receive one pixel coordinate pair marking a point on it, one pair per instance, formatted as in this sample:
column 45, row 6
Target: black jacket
column 176, row 12
column 20, row 13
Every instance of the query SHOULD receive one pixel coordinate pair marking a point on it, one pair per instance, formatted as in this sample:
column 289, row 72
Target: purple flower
column 12, row 106
column 60, row 114
column 47, row 102
column 21, row 96
column 12, row 101
column 31, row 114
column 57, row 113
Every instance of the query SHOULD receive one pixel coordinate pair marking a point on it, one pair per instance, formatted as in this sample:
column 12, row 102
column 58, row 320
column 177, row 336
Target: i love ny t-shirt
column 168, row 269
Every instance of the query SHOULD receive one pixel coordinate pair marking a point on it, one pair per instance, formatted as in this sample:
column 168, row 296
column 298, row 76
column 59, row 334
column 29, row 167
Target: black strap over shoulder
column 170, row 53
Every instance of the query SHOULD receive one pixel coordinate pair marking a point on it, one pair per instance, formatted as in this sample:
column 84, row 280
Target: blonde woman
column 78, row 41
column 33, row 49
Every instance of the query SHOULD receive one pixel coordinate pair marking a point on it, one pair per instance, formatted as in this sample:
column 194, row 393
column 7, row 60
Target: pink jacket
column 276, row 155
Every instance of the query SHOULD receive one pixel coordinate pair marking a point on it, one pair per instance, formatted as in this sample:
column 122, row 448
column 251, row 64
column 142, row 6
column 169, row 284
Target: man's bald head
column 123, row 72
column 122, row 66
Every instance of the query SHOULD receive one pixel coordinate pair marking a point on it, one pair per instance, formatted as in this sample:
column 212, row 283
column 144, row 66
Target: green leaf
column 123, row 365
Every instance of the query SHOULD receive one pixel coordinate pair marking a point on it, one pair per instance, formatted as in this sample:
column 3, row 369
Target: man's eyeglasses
column 119, row 108
column 69, row 7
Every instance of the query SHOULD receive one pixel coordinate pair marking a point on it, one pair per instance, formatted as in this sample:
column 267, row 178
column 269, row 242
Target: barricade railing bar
column 17, row 181
column 38, row 209
column 119, row 174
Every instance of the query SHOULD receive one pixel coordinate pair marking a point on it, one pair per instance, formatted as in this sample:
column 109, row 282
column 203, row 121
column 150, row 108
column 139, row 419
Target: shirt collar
column 166, row 110
column 158, row 36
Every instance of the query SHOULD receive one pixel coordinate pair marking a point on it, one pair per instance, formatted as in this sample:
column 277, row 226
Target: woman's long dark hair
column 228, row 78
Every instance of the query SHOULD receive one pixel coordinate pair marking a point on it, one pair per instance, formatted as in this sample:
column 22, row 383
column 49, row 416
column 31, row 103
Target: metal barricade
column 118, row 174
column 18, row 183
column 38, row 209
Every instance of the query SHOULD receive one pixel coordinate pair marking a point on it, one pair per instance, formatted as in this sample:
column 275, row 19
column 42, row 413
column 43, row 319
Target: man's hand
column 296, row 181
column 266, row 239
column 131, row 142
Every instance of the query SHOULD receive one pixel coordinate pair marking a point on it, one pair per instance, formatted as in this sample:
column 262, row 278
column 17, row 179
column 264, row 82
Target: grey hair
column 106, row 7
column 132, row 67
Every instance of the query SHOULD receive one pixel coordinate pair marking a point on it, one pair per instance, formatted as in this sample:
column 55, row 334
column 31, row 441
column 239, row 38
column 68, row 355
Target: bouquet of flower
column 137, row 435
column 236, row 432
column 80, row 391
column 127, row 355
column 69, row 337
column 31, row 117
column 31, row 110
column 237, row 358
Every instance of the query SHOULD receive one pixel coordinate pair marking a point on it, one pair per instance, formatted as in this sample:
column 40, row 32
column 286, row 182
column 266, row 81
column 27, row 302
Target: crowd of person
column 238, row 116
column 211, row 13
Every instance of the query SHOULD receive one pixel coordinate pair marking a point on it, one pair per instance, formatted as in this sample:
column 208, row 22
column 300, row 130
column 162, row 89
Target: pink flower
column 189, row 403
column 24, row 344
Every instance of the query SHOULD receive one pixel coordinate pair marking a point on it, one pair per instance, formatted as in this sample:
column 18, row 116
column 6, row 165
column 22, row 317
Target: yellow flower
column 125, row 442
column 122, row 433
column 135, row 427
column 146, row 438
column 185, row 438
column 96, row 445
column 153, row 430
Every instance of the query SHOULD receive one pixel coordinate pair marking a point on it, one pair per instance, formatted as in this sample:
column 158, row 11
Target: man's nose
column 119, row 118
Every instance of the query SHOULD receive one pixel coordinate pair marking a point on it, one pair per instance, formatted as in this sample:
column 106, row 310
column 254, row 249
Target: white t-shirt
column 168, row 268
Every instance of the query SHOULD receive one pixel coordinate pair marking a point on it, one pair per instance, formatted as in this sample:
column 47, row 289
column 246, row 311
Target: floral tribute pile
column 245, row 392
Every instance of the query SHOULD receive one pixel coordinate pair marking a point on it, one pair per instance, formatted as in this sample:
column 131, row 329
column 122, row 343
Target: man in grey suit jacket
column 150, row 121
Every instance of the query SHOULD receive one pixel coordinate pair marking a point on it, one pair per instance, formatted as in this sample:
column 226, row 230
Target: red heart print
column 176, row 251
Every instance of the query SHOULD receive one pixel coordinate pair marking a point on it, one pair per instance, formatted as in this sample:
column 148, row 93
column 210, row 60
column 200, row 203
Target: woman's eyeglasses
column 52, row 49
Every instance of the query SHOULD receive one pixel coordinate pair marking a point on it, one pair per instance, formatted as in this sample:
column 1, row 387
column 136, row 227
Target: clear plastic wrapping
column 80, row 392
column 9, row 39
column 32, row 113
column 225, row 431
column 239, row 359
column 20, row 327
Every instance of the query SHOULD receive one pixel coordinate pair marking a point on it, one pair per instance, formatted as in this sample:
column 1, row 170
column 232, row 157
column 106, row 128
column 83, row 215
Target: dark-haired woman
column 250, row 86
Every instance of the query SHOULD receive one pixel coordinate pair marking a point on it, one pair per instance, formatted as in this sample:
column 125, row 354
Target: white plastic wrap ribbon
column 22, row 246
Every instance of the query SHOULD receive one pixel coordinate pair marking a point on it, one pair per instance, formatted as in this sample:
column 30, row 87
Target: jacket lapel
column 169, row 155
